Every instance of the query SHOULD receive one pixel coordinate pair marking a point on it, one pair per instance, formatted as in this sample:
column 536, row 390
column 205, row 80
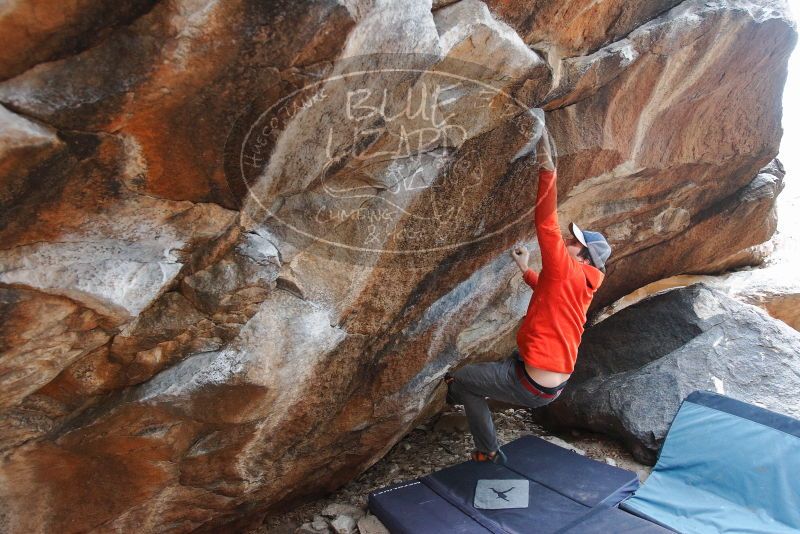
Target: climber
column 548, row 338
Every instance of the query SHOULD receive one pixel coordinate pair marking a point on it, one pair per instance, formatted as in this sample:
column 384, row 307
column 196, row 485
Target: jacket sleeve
column 531, row 277
column 555, row 258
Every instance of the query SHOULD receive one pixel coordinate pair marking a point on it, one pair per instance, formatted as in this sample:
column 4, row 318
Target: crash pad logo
column 501, row 494
column 383, row 153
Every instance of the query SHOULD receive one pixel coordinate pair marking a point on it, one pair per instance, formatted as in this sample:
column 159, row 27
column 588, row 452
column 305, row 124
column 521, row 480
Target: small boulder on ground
column 307, row 528
column 450, row 423
column 336, row 509
column 320, row 524
column 344, row 524
column 370, row 524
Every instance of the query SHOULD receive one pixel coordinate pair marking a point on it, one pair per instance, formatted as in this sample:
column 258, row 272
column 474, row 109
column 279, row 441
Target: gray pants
column 496, row 380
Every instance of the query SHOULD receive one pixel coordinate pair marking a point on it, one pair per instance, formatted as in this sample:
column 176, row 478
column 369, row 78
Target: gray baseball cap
column 599, row 249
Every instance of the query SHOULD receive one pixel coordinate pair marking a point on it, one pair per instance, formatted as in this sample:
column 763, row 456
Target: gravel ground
column 442, row 442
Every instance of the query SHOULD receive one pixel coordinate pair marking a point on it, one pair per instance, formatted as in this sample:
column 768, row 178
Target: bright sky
column 789, row 199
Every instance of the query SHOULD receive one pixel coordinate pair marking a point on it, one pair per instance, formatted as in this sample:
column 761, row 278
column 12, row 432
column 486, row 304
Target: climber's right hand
column 545, row 152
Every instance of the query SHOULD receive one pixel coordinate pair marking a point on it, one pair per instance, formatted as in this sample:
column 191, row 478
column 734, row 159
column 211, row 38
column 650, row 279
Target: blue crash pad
column 567, row 493
column 725, row 466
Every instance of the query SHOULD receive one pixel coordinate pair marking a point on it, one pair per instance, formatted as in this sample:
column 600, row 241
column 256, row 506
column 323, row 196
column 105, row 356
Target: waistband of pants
column 537, row 389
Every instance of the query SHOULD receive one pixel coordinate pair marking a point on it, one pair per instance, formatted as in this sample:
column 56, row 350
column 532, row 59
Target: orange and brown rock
column 241, row 241
column 35, row 31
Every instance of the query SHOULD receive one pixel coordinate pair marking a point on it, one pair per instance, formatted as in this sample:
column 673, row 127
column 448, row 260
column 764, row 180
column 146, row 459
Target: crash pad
column 567, row 492
column 724, row 466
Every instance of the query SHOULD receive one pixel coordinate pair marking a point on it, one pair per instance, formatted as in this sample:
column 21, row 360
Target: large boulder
column 241, row 241
column 636, row 367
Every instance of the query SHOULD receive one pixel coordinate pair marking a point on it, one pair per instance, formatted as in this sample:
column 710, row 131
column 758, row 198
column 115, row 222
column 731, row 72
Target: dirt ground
column 443, row 442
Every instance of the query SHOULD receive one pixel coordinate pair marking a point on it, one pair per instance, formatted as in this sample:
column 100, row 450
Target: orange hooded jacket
column 551, row 330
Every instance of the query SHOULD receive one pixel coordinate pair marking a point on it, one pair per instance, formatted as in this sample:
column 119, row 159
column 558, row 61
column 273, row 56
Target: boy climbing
column 547, row 341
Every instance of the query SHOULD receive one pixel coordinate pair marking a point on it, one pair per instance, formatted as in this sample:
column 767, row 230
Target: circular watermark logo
column 413, row 157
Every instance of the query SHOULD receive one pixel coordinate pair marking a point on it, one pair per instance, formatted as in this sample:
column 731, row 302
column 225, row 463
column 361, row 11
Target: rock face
column 774, row 288
column 636, row 367
column 772, row 285
column 35, row 31
column 241, row 241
